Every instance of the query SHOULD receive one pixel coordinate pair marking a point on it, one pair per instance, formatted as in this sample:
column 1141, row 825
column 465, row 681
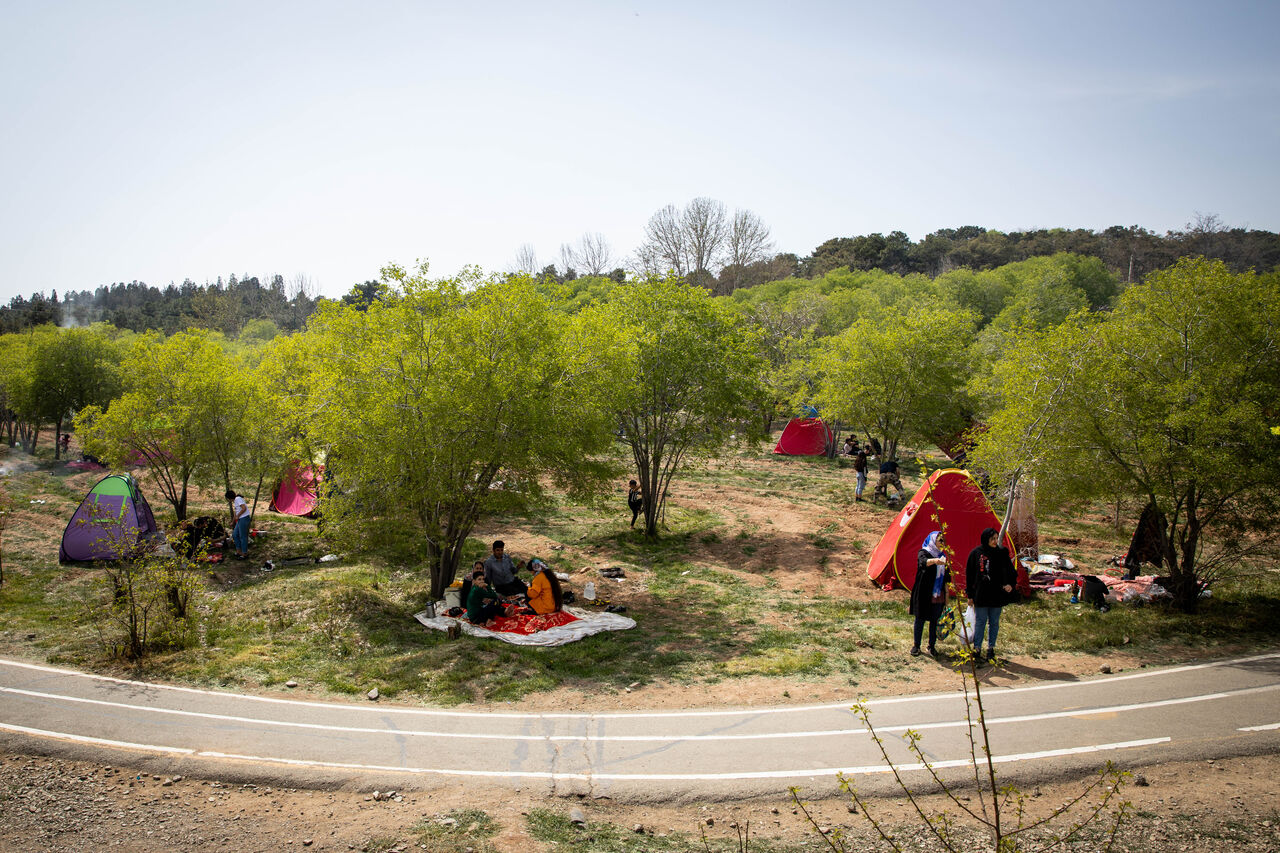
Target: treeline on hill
column 434, row 402
column 1129, row 253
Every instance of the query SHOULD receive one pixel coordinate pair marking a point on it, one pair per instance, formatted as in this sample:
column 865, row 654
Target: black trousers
column 930, row 613
column 513, row 587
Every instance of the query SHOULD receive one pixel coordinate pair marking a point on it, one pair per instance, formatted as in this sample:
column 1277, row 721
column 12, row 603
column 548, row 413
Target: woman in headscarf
column 989, row 578
column 545, row 594
column 929, row 592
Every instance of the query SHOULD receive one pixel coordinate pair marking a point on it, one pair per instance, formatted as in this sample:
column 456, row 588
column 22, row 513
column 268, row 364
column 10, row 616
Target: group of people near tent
column 945, row 517
column 114, row 520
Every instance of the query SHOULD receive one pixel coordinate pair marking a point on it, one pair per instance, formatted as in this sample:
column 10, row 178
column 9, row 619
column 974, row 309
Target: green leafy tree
column 1171, row 396
column 901, row 376
column 442, row 401
column 174, row 401
column 50, row 373
column 692, row 369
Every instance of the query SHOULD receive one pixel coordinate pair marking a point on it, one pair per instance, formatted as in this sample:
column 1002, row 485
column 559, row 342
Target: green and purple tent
column 110, row 521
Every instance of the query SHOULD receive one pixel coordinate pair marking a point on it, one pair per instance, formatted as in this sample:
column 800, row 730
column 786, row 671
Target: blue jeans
column 240, row 535
column 982, row 616
column 862, row 484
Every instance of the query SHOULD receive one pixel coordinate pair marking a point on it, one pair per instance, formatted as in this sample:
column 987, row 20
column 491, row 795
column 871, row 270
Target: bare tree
column 706, row 228
column 699, row 240
column 300, row 285
column 526, row 260
column 665, row 246
column 568, row 260
column 594, row 254
column 748, row 243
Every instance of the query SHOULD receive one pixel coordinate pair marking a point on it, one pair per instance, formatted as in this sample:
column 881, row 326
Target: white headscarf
column 931, row 544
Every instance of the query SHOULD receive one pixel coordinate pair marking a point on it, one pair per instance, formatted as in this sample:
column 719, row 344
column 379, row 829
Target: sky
column 163, row 141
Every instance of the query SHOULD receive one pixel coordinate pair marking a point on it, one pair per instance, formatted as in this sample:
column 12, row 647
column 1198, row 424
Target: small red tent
column 805, row 437
column 295, row 494
column 959, row 504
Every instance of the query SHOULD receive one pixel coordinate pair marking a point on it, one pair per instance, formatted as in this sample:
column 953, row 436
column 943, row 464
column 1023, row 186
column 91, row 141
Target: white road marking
column 428, row 712
column 615, row 777
column 97, row 741
column 1052, row 715
column 1267, row 728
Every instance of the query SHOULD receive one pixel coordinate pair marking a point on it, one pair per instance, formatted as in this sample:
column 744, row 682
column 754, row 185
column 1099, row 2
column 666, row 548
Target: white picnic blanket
column 589, row 622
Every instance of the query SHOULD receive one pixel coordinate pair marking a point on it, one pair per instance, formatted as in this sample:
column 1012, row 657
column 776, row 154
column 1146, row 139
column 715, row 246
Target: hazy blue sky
column 158, row 141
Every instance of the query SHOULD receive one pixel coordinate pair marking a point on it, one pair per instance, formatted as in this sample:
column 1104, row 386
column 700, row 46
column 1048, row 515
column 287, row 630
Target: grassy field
column 759, row 576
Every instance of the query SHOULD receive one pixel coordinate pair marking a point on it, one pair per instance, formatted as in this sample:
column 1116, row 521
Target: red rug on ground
column 531, row 624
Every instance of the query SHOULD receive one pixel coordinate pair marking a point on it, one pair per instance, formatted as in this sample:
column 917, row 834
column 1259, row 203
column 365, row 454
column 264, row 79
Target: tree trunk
column 445, row 559
column 1186, row 582
column 57, row 435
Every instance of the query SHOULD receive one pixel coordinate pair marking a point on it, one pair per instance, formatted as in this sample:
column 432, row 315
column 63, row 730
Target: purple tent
column 111, row 520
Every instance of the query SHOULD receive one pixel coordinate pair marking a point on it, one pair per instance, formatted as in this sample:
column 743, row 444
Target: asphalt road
column 1201, row 711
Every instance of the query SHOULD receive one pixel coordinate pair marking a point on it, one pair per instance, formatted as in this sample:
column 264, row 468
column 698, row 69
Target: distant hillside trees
column 222, row 307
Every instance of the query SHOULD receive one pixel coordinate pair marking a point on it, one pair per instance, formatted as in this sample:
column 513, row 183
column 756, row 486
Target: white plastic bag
column 966, row 630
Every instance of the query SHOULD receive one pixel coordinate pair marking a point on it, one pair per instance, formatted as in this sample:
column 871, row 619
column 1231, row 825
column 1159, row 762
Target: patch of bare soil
column 59, row 805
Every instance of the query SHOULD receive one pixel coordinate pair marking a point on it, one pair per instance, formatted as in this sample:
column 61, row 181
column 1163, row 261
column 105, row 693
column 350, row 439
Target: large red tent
column 804, row 437
column 959, row 504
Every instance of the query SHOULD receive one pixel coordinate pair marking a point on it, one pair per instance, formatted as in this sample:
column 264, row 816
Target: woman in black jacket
column 989, row 578
column 929, row 592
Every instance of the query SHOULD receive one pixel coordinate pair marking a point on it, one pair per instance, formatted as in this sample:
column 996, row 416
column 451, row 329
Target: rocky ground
column 58, row 805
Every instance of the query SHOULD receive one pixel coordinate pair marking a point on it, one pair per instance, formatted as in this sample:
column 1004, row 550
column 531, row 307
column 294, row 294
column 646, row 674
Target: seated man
column 483, row 604
column 888, row 477
column 500, row 572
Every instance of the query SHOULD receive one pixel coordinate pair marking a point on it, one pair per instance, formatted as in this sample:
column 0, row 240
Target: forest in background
column 1128, row 253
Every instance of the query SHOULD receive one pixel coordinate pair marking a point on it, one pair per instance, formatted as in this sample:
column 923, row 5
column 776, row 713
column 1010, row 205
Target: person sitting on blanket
column 500, row 571
column 483, row 604
column 476, row 568
column 545, row 594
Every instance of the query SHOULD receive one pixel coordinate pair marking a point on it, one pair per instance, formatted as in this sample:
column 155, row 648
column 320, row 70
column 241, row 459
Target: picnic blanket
column 555, row 629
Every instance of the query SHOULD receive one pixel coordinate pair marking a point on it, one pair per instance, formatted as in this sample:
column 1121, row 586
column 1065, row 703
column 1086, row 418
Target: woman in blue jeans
column 240, row 524
column 989, row 578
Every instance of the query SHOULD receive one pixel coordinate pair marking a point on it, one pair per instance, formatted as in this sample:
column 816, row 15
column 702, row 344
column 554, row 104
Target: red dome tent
column 959, row 504
column 295, row 494
column 805, row 437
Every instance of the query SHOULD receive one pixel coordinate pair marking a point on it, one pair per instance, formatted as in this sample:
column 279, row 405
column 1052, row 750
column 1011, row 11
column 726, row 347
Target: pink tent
column 296, row 493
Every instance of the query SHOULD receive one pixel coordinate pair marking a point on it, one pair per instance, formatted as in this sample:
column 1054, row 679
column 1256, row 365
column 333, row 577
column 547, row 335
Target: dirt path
column 56, row 805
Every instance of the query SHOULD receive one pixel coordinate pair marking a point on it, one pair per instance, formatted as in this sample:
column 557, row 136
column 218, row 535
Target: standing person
column 635, row 501
column 929, row 592
column 860, row 468
column 500, row 572
column 989, row 578
column 545, row 594
column 239, row 524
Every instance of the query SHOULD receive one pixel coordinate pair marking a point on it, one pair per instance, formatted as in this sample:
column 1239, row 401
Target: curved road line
column 1187, row 711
